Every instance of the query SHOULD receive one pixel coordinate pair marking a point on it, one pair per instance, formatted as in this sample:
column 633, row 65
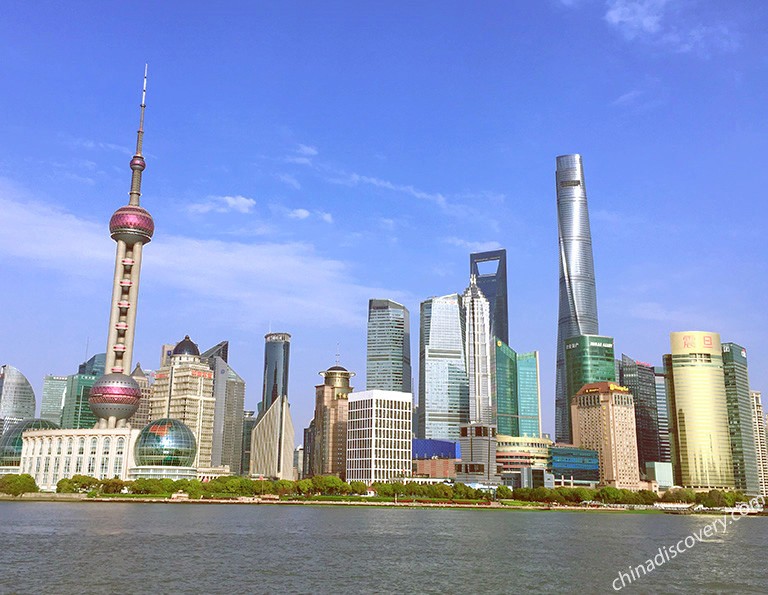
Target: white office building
column 379, row 426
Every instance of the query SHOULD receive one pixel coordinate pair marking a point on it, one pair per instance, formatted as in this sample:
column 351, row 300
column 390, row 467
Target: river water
column 193, row 548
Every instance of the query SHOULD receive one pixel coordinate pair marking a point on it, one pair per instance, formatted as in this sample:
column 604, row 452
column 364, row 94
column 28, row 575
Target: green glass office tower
column 740, row 422
column 516, row 391
column 77, row 413
column 588, row 359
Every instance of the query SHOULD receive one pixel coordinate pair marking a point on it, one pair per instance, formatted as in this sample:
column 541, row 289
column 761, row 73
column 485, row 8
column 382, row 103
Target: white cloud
column 327, row 217
column 307, row 150
column 95, row 145
column 289, row 180
column 299, row 214
column 473, row 246
column 627, row 98
column 298, row 160
column 304, row 286
column 634, row 17
column 668, row 24
column 354, row 179
column 224, row 204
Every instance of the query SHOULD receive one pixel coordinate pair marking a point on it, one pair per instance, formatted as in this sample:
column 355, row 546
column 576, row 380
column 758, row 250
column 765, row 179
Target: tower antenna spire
column 137, row 161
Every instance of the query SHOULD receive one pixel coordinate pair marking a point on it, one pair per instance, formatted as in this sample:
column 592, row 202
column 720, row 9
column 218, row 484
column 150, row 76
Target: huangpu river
column 192, row 548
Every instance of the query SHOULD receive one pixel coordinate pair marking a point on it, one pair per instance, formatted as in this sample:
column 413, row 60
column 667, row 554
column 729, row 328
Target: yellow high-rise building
column 698, row 412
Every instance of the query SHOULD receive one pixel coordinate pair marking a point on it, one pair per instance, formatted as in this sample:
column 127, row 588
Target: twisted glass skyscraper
column 578, row 298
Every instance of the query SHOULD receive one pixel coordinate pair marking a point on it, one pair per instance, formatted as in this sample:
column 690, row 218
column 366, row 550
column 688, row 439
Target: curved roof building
column 17, row 399
column 11, row 443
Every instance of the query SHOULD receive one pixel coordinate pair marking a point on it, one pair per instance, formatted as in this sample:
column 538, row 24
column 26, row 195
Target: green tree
column 585, row 494
column 65, row 486
column 111, row 486
column 285, row 487
column 383, row 489
column 84, row 483
column 609, row 495
column 358, row 487
column 648, row 497
column 523, row 494
column 15, row 484
column 305, row 487
column 503, row 492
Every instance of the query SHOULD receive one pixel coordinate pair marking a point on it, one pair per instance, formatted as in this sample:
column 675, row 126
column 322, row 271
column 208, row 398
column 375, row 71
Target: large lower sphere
column 165, row 442
column 114, row 395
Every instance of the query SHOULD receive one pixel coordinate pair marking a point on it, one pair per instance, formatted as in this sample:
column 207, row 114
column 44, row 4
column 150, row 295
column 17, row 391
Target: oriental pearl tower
column 115, row 396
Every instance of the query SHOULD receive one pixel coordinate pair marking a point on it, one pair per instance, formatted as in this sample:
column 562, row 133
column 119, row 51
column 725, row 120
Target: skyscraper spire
column 137, row 162
column 115, row 396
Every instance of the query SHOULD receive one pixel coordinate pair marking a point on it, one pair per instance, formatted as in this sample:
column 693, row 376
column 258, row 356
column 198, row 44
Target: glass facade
column 578, row 296
column 165, row 442
column 663, row 414
column 516, row 390
column 54, row 389
column 588, row 359
column 77, row 413
column 740, row 422
column 640, row 379
column 443, row 382
column 17, row 399
column 580, row 464
column 493, row 284
column 277, row 350
column 434, row 449
column 388, row 357
column 11, row 440
column 698, row 412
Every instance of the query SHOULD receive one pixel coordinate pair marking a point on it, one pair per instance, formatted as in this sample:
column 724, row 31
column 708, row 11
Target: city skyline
column 248, row 218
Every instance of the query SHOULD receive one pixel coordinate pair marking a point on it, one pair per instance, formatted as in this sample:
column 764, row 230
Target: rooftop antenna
column 337, row 354
column 137, row 161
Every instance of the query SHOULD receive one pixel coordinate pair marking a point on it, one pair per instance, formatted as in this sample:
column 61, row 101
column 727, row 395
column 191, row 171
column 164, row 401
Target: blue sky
column 305, row 157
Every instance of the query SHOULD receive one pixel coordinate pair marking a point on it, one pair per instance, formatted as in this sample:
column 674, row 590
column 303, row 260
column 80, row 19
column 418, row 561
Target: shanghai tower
column 578, row 297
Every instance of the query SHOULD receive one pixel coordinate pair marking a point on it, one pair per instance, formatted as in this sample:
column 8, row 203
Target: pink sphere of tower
column 132, row 224
column 114, row 395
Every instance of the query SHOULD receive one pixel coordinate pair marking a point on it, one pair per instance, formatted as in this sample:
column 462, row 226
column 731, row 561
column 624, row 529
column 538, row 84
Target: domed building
column 328, row 454
column 10, row 442
column 165, row 448
column 183, row 390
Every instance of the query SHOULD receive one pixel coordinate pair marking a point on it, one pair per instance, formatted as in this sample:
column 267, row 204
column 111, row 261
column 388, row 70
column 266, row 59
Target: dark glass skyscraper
column 640, row 379
column 740, row 422
column 493, row 284
column 277, row 349
column 578, row 297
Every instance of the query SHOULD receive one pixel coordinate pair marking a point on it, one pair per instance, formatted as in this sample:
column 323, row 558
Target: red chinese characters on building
column 689, row 341
column 708, row 341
